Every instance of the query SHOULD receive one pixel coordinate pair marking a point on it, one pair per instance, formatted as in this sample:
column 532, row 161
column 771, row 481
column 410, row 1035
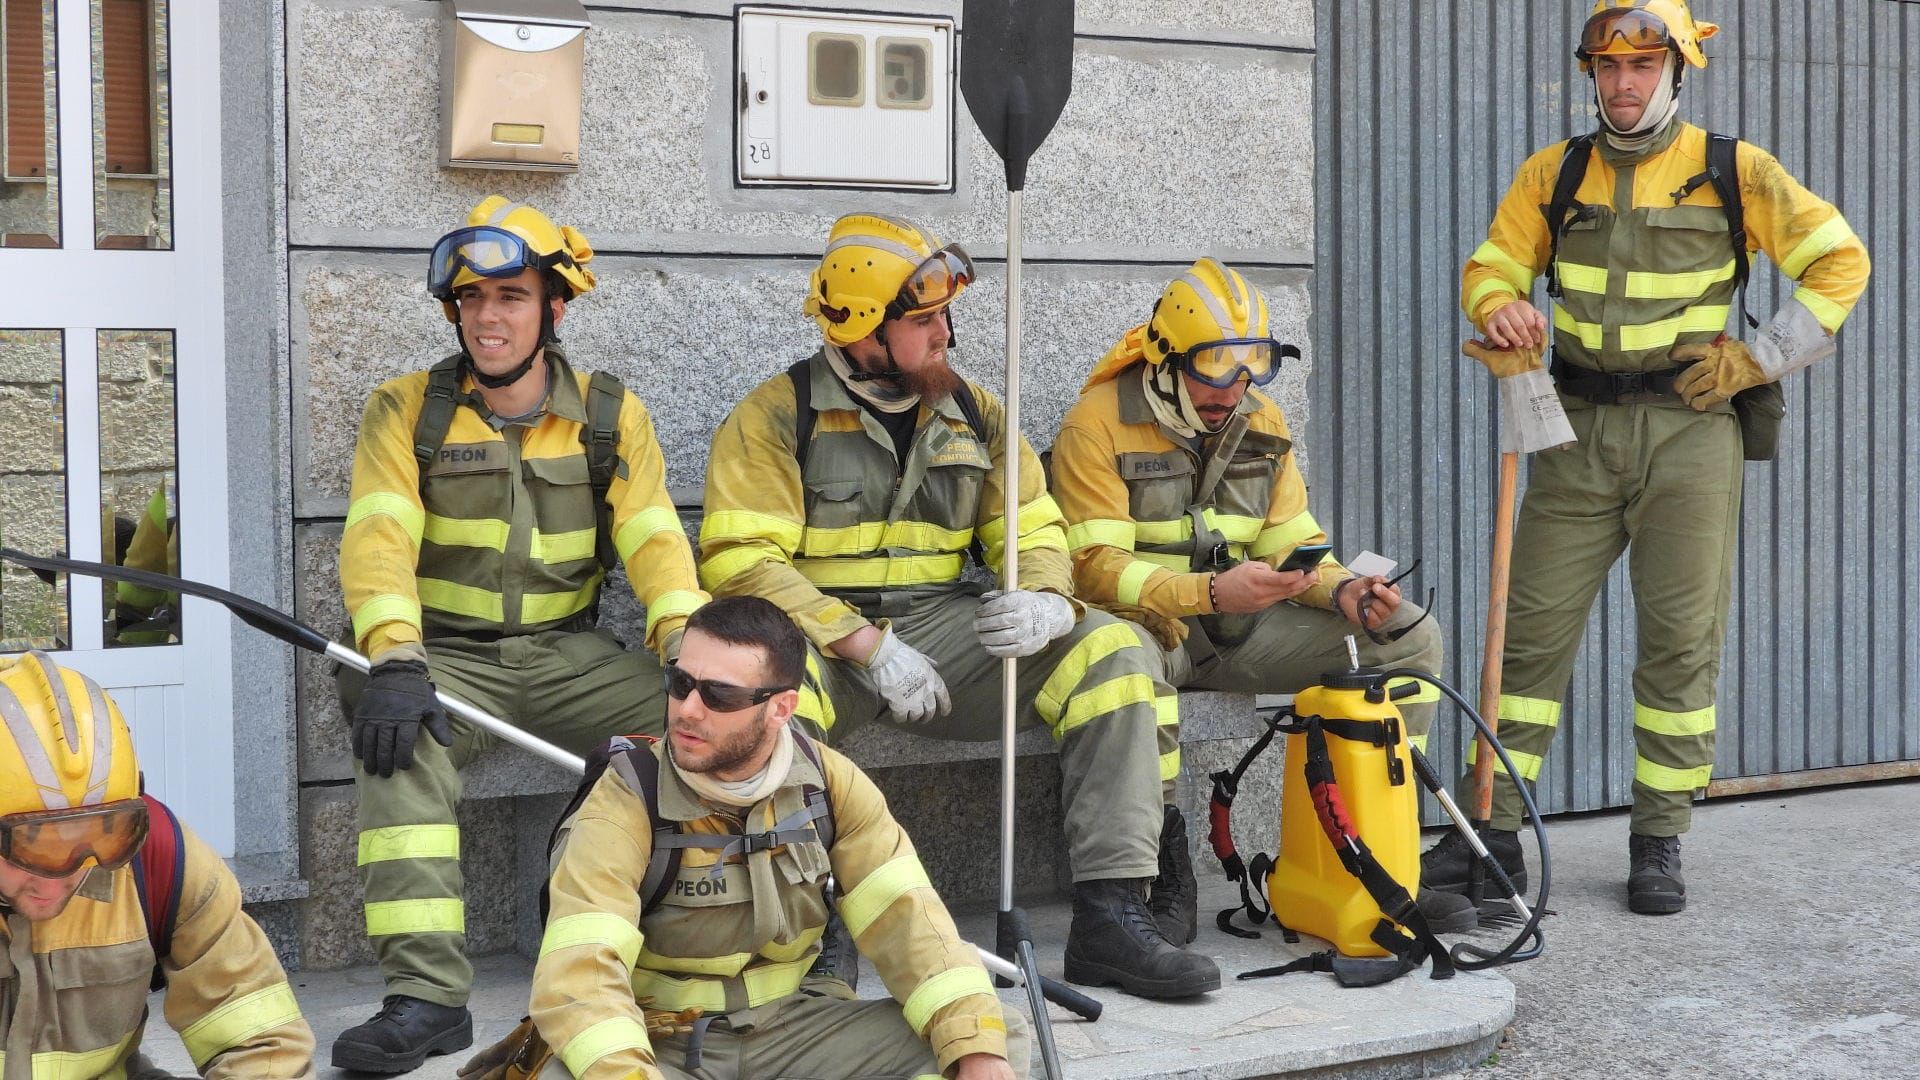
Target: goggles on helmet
column 487, row 250
column 1637, row 29
column 937, row 280
column 1220, row 364
column 55, row 843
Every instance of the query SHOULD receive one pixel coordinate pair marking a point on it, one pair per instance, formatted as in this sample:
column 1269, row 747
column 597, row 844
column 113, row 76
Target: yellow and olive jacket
column 73, row 989
column 1642, row 273
column 859, row 521
column 1127, row 485
column 742, row 938
column 502, row 538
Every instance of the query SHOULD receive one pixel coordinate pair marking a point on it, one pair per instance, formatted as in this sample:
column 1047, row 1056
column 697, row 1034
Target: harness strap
column 436, row 413
column 158, row 868
column 600, row 437
column 1573, row 169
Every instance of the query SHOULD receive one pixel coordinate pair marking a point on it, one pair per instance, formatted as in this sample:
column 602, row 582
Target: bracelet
column 1335, row 595
column 1213, row 598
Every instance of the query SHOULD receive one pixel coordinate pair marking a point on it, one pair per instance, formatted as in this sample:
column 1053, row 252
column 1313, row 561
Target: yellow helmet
column 1618, row 27
column 63, row 742
column 502, row 238
column 876, row 268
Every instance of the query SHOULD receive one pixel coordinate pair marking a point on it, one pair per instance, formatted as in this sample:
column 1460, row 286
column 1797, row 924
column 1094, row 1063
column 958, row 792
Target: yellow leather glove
column 1505, row 362
column 1722, row 368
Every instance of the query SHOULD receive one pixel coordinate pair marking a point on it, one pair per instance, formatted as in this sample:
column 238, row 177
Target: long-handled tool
column 296, row 633
column 1016, row 70
column 1490, row 660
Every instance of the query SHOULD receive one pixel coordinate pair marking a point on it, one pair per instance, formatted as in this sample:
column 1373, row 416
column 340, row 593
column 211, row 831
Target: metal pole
column 1011, row 559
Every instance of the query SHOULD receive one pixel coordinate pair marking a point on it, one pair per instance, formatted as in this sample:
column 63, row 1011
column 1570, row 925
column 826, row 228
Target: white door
column 112, row 384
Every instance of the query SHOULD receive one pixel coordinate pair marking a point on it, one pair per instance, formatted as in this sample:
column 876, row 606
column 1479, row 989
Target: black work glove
column 397, row 701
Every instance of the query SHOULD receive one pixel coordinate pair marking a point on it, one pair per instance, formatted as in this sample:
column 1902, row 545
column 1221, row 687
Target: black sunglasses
column 719, row 696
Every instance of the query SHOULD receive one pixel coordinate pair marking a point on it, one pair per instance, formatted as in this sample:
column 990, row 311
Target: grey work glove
column 913, row 690
column 397, row 702
column 1021, row 622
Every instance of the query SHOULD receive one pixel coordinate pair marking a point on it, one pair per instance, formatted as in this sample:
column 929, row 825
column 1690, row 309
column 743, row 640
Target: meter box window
column 510, row 76
column 844, row 100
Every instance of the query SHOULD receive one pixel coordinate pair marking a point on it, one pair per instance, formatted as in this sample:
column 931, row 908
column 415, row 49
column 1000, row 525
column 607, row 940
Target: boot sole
column 1466, row 920
column 1091, row 973
column 358, row 1057
column 1657, row 904
column 1459, row 888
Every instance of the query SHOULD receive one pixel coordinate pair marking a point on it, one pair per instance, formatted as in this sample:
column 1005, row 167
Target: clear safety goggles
column 935, row 282
column 55, row 843
column 487, row 250
column 1220, row 364
column 1636, row 29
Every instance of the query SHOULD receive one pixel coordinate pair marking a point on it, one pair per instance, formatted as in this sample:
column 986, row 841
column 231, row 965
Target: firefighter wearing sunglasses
column 849, row 491
column 72, row 820
column 491, row 496
column 1645, row 264
column 1183, row 498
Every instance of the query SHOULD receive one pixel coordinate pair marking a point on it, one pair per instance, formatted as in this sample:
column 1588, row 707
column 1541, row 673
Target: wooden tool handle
column 1496, row 634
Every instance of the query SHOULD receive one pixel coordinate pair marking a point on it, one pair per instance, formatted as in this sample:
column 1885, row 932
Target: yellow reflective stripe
column 489, row 533
column 564, row 547
column 795, row 949
column 1529, row 763
column 1166, row 710
column 78, row 1064
column 594, row 928
column 1516, row 274
column 1110, row 696
column 1426, row 691
column 1037, row 514
column 239, row 1020
column 718, row 569
column 1285, row 536
column 941, row 991
column 456, row 599
column 815, row 704
column 547, row 607
column 1236, row 527
column 1169, row 765
column 431, row 916
column 1817, row 243
column 1163, row 532
column 670, row 605
column 769, row 982
column 1664, row 778
column 1109, row 531
column 867, row 901
column 722, row 967
column 409, row 842
column 1047, row 536
column 398, row 507
column 750, row 525
column 386, row 608
column 880, row 571
column 662, row 991
column 1677, row 724
column 1646, row 285
column 1418, row 742
column 1588, row 279
column 1530, row 710
column 607, row 1037
column 1177, row 563
column 1073, row 667
column 642, row 527
column 1487, row 287
column 1589, row 334
column 1701, row 318
column 1830, row 314
column 871, row 535
column 1134, row 579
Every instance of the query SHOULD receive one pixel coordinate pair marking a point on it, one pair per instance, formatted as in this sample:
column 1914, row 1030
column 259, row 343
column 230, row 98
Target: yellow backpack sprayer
column 1349, row 863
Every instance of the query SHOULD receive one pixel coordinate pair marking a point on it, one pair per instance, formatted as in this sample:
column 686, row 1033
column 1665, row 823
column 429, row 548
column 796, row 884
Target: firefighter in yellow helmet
column 491, row 496
column 1648, row 225
column 849, row 489
column 1185, row 508
column 72, row 820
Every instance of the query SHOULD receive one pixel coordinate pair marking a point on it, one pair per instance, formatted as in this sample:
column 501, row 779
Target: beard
column 932, row 382
column 726, row 753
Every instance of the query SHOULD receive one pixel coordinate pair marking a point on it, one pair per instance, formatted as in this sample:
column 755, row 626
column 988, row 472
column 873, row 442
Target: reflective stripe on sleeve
column 239, row 1020
column 644, row 526
column 607, row 1037
column 1289, row 534
column 670, row 605
column 1133, row 580
column 594, row 928
column 401, row 509
column 867, row 901
column 409, row 842
column 1510, row 269
column 386, row 608
column 942, row 990
column 749, row 525
column 1831, row 235
column 1094, row 531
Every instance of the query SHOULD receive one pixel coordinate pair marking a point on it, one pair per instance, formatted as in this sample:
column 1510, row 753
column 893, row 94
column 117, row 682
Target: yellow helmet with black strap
column 1211, row 323
column 877, row 268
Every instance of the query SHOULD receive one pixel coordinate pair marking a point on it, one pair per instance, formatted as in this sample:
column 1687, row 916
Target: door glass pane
column 132, row 168
column 30, row 148
column 33, row 486
column 139, row 483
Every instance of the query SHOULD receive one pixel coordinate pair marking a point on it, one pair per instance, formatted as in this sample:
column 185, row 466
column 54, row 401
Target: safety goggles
column 55, row 843
column 719, row 696
column 936, row 281
column 488, row 251
column 1635, row 28
column 1220, row 364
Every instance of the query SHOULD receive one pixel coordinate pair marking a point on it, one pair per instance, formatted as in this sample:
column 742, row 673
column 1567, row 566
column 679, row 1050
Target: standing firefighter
column 87, row 933
column 849, row 491
column 1178, row 478
column 1645, row 238
column 491, row 495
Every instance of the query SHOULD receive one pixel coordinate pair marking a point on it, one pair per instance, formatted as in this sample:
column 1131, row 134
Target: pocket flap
column 1258, row 444
column 454, row 459
column 563, row 470
column 1695, row 218
column 836, row 490
column 100, row 965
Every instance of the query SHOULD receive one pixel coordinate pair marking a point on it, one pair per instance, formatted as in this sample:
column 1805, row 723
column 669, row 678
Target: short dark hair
column 752, row 621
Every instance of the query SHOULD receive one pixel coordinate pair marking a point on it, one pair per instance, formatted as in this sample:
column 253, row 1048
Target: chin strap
column 498, row 382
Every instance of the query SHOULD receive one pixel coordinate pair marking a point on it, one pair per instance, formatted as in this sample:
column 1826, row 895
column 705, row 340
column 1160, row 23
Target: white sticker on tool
column 1372, row 564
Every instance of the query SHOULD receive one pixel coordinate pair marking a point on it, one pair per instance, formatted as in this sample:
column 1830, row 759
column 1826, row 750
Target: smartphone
column 1305, row 557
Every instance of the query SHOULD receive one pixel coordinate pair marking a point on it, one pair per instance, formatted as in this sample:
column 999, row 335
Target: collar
column 1620, row 158
column 98, row 885
column 563, row 390
column 679, row 803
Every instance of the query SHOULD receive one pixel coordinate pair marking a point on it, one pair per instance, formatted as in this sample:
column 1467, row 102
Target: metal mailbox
column 510, row 82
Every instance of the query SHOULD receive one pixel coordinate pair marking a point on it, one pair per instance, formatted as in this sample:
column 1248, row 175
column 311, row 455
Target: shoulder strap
column 158, row 868
column 640, row 768
column 817, row 797
column 1573, row 169
column 1723, row 166
column 600, row 437
column 436, row 412
column 802, row 410
column 970, row 408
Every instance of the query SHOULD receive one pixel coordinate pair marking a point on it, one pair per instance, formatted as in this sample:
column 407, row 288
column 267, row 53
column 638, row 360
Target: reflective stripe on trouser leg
column 1526, row 729
column 1673, row 758
column 1166, row 709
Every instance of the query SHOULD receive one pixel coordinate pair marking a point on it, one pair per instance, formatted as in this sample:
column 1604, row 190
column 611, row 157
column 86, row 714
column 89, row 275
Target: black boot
column 1113, row 942
column 401, row 1036
column 839, row 958
column 1174, row 895
column 1446, row 866
column 1654, row 884
column 1447, row 913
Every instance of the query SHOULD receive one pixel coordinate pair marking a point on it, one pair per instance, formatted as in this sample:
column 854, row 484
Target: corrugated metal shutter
column 22, row 21
column 126, row 31
column 1423, row 113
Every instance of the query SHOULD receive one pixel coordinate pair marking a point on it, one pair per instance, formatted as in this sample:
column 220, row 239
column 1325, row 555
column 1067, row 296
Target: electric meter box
column 510, row 74
column 844, row 99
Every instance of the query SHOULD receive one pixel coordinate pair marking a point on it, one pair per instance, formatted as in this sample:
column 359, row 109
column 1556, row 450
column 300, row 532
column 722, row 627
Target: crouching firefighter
column 1187, row 513
column 688, row 898
column 491, row 496
column 106, row 896
column 849, row 491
